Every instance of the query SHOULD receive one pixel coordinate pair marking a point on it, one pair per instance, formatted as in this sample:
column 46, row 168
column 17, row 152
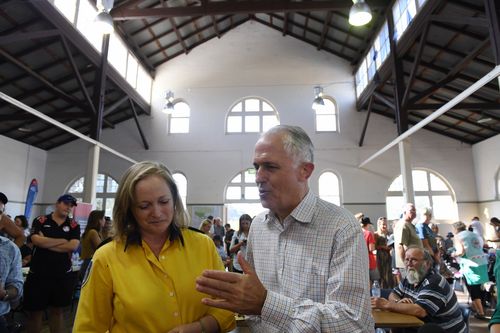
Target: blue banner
column 30, row 198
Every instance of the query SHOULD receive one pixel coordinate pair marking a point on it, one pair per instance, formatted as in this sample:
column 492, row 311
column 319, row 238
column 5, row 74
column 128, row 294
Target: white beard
column 414, row 276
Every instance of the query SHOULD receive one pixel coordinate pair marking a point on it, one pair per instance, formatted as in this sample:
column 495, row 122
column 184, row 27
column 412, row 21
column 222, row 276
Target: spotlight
column 360, row 13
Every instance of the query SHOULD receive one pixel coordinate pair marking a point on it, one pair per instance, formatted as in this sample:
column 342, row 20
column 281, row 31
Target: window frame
column 339, row 181
column 243, row 114
column 335, row 114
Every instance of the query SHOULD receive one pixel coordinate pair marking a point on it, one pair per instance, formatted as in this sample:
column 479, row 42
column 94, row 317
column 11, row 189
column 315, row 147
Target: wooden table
column 387, row 319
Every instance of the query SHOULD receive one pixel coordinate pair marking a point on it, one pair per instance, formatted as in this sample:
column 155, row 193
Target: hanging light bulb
column 318, row 102
column 103, row 20
column 360, row 13
column 169, row 106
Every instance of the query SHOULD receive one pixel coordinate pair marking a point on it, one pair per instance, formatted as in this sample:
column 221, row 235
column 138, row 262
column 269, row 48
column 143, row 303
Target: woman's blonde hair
column 204, row 223
column 126, row 226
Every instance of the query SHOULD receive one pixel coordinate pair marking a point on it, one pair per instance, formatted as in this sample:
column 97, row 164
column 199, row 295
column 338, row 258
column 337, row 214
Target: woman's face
column 205, row 228
column 153, row 208
column 18, row 222
column 102, row 222
column 245, row 225
column 383, row 224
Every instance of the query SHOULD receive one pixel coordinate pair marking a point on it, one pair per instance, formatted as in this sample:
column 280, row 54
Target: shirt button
column 172, row 293
column 176, row 314
column 162, row 257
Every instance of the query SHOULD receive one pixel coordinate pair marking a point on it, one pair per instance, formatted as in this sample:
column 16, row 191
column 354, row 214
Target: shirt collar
column 304, row 211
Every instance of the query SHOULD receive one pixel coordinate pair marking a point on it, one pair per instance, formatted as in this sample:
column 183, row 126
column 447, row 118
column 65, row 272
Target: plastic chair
column 466, row 314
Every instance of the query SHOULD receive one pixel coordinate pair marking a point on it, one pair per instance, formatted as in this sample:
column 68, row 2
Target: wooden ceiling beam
column 230, row 7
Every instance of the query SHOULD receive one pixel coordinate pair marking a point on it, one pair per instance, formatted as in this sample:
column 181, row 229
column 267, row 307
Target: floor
column 476, row 326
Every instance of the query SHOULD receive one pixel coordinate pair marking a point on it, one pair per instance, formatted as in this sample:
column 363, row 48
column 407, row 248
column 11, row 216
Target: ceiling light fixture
column 318, row 102
column 103, row 20
column 360, row 13
column 169, row 106
column 483, row 119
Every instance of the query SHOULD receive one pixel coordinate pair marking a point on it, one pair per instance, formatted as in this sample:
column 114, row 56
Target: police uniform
column 132, row 290
column 51, row 280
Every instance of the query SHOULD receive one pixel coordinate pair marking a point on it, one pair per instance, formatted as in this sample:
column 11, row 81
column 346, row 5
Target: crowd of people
column 302, row 265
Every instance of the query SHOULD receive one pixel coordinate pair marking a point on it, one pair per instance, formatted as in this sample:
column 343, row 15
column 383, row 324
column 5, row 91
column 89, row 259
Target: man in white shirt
column 307, row 268
column 477, row 227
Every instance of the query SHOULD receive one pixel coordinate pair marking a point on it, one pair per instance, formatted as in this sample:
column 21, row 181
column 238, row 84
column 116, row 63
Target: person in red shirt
column 370, row 244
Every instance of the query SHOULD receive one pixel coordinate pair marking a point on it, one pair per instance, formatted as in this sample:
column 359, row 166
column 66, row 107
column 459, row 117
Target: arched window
column 181, row 182
column 326, row 116
column 431, row 190
column 251, row 115
column 242, row 197
column 329, row 187
column 179, row 118
column 106, row 188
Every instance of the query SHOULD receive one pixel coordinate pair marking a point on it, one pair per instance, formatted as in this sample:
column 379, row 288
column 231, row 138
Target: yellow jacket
column 133, row 291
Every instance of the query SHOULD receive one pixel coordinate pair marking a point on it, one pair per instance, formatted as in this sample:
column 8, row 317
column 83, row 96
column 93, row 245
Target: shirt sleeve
column 431, row 298
column 15, row 277
column 347, row 304
column 36, row 226
column 95, row 309
column 75, row 231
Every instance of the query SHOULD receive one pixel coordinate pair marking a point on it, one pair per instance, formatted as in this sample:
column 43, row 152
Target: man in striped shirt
column 424, row 294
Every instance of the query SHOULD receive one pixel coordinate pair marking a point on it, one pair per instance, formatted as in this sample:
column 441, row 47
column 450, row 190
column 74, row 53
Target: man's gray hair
column 296, row 142
column 427, row 256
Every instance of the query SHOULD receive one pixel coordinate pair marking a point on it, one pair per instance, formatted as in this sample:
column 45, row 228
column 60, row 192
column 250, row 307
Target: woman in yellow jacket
column 144, row 280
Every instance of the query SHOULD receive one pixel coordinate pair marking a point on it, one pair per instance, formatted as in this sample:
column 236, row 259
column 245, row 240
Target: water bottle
column 375, row 289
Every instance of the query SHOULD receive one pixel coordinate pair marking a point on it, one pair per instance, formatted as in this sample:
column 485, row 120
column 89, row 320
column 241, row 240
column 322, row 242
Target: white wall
column 253, row 60
column 19, row 164
column 487, row 166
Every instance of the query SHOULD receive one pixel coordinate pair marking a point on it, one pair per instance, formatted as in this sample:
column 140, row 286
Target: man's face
column 415, row 265
column 410, row 213
column 218, row 222
column 282, row 181
column 2, row 207
column 64, row 208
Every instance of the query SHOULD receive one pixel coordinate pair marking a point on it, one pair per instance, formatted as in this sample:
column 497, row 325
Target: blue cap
column 67, row 198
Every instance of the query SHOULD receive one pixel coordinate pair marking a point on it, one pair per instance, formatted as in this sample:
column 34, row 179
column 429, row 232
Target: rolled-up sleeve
column 15, row 276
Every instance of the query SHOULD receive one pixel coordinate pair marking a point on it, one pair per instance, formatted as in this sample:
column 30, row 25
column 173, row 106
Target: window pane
column 236, row 179
column 250, row 176
column 77, row 186
column 234, row 124
column 269, row 122
column 444, row 208
column 326, row 123
column 420, row 180
column 144, row 82
column 421, row 202
column 110, row 203
column 394, row 207
column 252, row 124
column 397, row 184
column 437, row 184
column 117, row 54
column 181, row 182
column 132, row 70
column 179, row 125
column 266, row 107
column 86, row 15
column 99, row 184
column 252, row 104
column 233, row 193
column 112, row 185
column 181, row 109
column 328, row 184
column 251, row 193
column 99, row 203
column 67, row 7
column 238, row 107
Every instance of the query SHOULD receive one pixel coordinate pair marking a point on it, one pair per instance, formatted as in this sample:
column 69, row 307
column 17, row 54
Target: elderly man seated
column 424, row 294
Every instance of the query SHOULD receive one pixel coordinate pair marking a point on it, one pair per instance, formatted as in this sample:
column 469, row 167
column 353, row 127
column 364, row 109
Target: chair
column 466, row 314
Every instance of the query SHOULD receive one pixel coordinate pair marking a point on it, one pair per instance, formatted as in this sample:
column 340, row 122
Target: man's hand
column 379, row 303
column 242, row 293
